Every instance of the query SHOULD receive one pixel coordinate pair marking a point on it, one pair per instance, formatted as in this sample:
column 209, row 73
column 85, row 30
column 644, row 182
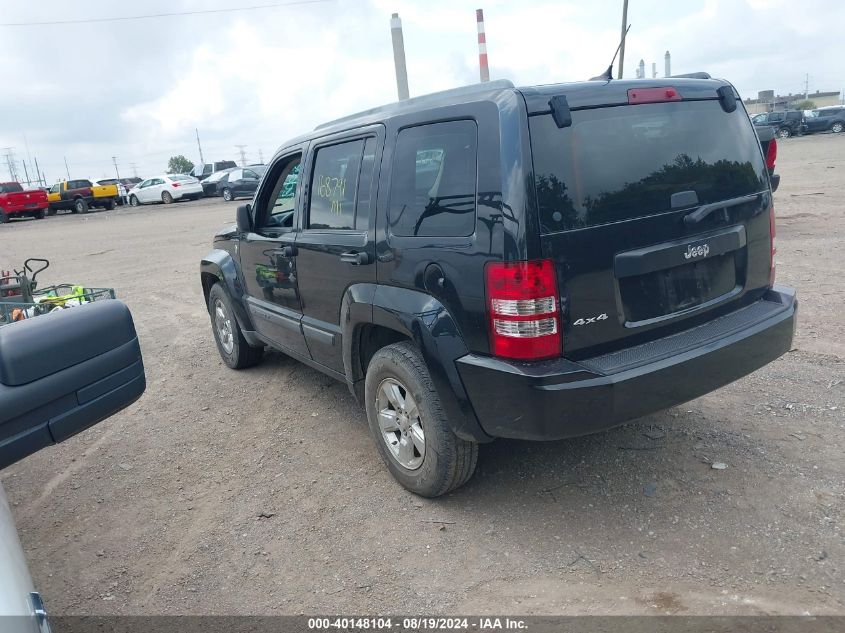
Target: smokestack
column 668, row 59
column 482, row 46
column 653, row 70
column 641, row 70
column 399, row 56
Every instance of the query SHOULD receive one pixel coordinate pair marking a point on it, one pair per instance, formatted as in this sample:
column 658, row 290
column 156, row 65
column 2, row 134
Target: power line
column 149, row 16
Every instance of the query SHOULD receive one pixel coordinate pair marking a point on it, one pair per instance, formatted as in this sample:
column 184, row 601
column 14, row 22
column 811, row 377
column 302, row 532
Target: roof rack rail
column 487, row 86
column 699, row 75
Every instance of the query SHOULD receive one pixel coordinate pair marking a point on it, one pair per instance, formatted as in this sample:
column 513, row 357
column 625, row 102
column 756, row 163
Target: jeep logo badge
column 697, row 251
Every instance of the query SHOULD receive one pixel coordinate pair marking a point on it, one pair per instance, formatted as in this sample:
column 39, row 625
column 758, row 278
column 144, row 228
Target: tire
column 233, row 348
column 837, row 127
column 134, row 202
column 4, row 218
column 80, row 206
column 166, row 198
column 227, row 194
column 111, row 204
column 40, row 214
column 51, row 212
column 446, row 461
column 784, row 132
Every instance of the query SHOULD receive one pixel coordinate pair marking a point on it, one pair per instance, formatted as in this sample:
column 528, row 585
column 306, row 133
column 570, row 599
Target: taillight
column 175, row 184
column 522, row 301
column 771, row 154
column 773, row 244
column 652, row 95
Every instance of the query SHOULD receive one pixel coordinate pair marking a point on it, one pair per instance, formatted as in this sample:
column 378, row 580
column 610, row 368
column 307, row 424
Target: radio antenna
column 607, row 75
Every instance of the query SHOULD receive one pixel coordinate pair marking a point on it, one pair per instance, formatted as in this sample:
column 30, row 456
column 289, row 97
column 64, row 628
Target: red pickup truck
column 17, row 202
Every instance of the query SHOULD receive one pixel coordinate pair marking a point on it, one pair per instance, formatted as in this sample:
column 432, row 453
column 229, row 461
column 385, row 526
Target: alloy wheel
column 400, row 423
column 223, row 324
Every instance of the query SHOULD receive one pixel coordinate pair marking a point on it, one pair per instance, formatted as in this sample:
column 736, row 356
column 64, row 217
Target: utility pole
column 399, row 56
column 134, row 169
column 806, row 86
column 243, row 154
column 67, row 170
column 26, row 172
column 114, row 160
column 260, row 156
column 624, row 30
column 202, row 160
column 39, row 174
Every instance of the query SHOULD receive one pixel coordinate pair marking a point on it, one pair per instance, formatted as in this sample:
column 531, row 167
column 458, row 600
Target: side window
column 248, row 173
column 236, row 175
column 55, row 188
column 333, row 186
column 277, row 210
column 433, row 185
column 206, row 169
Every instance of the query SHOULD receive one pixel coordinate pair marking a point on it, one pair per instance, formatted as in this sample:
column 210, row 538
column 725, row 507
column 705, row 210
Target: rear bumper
column 187, row 191
column 561, row 398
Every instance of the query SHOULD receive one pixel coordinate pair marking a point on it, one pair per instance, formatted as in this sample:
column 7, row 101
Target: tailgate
column 656, row 215
column 104, row 191
column 25, row 200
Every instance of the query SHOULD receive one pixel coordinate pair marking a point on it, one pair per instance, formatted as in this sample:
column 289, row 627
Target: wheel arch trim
column 425, row 321
column 219, row 266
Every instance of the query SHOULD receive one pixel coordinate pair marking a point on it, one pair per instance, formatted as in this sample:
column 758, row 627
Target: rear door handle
column 356, row 259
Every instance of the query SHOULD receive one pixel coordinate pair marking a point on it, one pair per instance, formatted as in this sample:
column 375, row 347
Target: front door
column 336, row 248
column 268, row 258
column 248, row 183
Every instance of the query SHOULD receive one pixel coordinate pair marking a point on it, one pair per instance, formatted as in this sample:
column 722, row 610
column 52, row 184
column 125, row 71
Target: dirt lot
column 260, row 491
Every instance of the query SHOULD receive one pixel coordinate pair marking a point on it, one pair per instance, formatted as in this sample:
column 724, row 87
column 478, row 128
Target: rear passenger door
column 336, row 247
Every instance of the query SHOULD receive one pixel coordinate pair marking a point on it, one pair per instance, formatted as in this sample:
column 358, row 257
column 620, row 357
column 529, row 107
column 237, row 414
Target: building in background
column 767, row 101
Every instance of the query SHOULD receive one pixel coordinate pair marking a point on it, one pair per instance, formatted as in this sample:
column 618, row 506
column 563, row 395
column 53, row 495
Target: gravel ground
column 260, row 491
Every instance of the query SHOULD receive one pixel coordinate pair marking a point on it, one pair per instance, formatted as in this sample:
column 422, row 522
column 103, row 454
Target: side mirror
column 243, row 218
column 63, row 372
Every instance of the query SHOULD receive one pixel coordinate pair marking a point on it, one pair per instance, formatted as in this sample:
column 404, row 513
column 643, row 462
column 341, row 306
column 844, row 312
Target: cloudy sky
column 137, row 89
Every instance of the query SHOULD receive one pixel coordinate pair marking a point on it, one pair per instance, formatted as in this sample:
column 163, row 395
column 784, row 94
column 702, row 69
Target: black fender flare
column 424, row 320
column 219, row 266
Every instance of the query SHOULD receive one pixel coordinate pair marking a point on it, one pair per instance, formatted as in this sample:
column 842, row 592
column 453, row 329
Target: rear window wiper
column 703, row 211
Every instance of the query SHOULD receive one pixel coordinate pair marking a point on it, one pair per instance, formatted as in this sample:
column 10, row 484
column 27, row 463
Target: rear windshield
column 10, row 187
column 625, row 162
column 182, row 177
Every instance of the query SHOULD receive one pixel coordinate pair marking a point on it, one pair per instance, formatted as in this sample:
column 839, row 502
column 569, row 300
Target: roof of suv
column 580, row 94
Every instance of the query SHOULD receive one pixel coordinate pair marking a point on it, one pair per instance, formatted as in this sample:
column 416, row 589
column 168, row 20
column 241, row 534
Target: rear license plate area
column 664, row 292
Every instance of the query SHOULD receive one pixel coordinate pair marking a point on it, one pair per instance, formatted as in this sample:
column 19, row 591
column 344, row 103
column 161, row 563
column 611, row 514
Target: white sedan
column 166, row 189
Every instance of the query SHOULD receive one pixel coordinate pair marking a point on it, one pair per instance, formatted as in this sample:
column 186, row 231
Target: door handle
column 356, row 259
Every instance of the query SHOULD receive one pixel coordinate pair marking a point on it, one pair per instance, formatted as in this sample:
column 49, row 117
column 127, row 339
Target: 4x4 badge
column 697, row 251
column 588, row 320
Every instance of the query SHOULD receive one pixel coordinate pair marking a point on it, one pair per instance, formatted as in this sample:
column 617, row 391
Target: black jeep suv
column 786, row 124
column 534, row 263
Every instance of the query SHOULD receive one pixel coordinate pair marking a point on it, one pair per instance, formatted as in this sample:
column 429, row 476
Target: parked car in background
column 79, row 196
column 166, row 188
column 234, row 183
column 787, row 123
column 830, row 119
column 17, row 202
column 60, row 373
column 459, row 308
column 204, row 170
